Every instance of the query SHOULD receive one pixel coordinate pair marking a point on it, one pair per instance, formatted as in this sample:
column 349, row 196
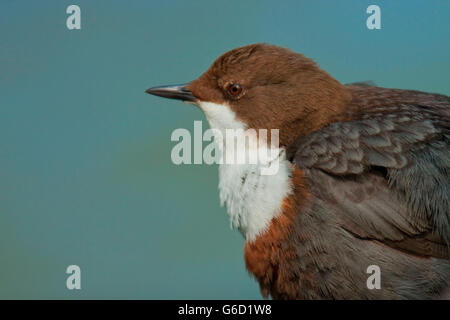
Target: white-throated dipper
column 363, row 178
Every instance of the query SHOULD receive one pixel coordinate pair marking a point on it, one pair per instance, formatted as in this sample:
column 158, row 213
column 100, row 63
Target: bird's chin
column 194, row 103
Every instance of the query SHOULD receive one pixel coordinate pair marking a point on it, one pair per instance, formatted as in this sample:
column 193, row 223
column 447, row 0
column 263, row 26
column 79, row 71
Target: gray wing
column 388, row 173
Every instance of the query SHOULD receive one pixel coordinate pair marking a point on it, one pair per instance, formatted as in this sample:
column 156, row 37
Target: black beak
column 179, row 92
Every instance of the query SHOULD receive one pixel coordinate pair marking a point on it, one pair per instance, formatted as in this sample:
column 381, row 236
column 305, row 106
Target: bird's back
column 377, row 182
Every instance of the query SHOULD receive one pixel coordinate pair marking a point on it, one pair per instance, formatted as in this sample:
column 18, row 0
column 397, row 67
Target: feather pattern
column 397, row 153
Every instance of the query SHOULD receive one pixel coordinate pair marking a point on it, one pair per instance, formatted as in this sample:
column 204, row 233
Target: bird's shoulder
column 386, row 168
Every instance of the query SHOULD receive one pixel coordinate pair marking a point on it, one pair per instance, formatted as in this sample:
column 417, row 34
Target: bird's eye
column 234, row 90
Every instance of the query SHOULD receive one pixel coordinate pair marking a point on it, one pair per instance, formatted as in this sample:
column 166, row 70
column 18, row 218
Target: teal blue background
column 85, row 170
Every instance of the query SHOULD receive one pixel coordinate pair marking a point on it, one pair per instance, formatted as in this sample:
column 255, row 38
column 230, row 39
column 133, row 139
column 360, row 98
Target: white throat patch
column 252, row 199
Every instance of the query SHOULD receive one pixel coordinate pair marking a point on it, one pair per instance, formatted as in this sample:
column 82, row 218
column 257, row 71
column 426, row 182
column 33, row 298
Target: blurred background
column 85, row 170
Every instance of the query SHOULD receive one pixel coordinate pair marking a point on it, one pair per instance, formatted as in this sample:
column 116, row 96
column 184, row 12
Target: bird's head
column 263, row 86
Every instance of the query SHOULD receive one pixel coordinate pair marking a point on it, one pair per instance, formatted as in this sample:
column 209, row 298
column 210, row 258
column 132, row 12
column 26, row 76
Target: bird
column 363, row 178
